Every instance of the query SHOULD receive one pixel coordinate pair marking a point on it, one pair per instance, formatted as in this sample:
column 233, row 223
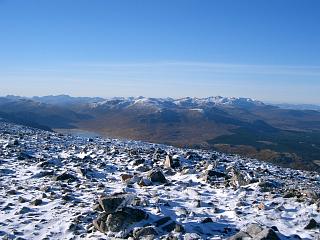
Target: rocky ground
column 55, row 186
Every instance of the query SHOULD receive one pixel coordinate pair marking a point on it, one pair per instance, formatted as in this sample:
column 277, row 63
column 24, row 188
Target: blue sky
column 266, row 49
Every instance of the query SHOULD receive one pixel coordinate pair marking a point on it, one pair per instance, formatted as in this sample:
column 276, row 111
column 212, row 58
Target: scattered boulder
column 144, row 232
column 266, row 234
column 66, row 176
column 253, row 229
column 291, row 193
column 171, row 162
column 312, row 225
column 24, row 156
column 112, row 203
column 261, row 206
column 121, row 220
column 100, row 223
column 173, row 226
column 192, row 156
column 116, row 216
column 50, row 163
column 240, row 236
column 207, row 220
column 138, row 161
column 156, row 176
column 87, row 172
column 209, row 174
column 126, row 177
column 44, row 173
column 22, row 199
column 24, row 210
column 256, row 232
column 268, row 185
column 240, row 178
column 36, row 202
column 144, row 182
column 97, row 207
column 12, row 192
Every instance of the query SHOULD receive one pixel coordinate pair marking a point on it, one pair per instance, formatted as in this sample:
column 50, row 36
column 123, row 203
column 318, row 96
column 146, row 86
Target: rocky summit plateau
column 58, row 186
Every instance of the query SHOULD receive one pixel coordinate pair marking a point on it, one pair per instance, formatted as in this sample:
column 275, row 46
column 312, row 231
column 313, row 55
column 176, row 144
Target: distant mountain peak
column 186, row 102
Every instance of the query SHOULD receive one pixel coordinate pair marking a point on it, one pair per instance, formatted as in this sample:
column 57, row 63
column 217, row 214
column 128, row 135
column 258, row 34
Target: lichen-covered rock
column 112, row 203
column 144, row 232
column 240, row 178
column 121, row 220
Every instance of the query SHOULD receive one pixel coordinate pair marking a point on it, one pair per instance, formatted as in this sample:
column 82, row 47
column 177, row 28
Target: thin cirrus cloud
column 174, row 68
column 201, row 68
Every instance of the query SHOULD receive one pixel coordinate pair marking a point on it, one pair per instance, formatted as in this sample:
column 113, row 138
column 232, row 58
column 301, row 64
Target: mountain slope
column 56, row 186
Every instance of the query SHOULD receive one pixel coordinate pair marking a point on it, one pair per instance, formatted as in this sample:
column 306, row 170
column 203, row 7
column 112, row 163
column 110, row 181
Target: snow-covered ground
column 50, row 185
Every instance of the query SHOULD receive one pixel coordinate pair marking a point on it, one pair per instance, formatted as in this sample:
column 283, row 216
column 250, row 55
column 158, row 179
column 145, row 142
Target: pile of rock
column 116, row 215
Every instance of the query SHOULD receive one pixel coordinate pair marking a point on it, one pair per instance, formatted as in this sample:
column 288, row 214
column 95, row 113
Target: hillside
column 56, row 186
column 287, row 137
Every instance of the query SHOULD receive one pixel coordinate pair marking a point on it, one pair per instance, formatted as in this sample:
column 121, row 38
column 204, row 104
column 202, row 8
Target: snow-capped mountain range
column 180, row 102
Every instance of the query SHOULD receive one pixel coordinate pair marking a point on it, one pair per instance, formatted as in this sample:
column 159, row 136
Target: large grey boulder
column 256, row 232
column 253, row 229
column 145, row 232
column 240, row 178
column 116, row 215
column 266, row 234
column 156, row 176
column 121, row 220
column 112, row 203
column 240, row 236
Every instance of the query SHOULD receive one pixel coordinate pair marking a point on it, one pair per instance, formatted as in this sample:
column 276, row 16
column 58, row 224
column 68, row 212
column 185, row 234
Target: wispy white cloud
column 203, row 67
column 173, row 68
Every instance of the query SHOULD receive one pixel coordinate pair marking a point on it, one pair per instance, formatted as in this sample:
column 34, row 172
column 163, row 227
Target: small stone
column 171, row 162
column 173, row 226
column 144, row 182
column 138, row 162
column 12, row 192
column 207, row 220
column 312, row 224
column 65, row 176
column 126, row 177
column 22, row 200
column 24, row 210
column 157, row 177
column 36, row 202
column 261, row 206
column 97, row 207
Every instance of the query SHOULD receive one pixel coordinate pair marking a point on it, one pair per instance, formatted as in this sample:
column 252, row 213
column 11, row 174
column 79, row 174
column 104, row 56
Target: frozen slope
column 50, row 185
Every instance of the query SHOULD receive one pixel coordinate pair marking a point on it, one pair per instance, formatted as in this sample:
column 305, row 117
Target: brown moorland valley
column 286, row 137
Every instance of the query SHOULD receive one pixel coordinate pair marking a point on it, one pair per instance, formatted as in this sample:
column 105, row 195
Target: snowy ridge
column 182, row 102
column 55, row 186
